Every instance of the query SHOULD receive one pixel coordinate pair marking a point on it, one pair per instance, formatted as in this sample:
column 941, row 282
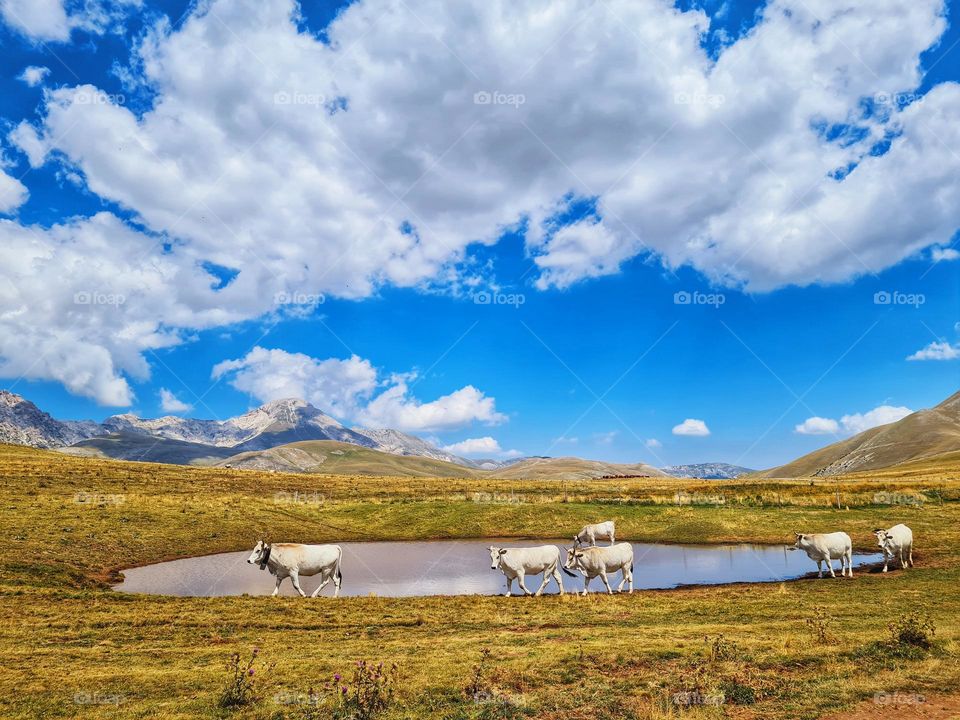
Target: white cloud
column 475, row 446
column 936, row 351
column 338, row 167
column 13, row 193
column 33, row 75
column 564, row 440
column 171, row 404
column 858, row 422
column 944, row 254
column 852, row 424
column 37, row 19
column 818, row 426
column 700, row 162
column 692, row 427
column 350, row 389
column 605, row 438
column 50, row 21
column 652, row 443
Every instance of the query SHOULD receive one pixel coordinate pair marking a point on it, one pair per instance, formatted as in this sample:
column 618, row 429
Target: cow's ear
column 579, row 555
column 503, row 552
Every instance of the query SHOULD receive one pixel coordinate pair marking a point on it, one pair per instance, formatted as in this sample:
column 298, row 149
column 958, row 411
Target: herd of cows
column 294, row 560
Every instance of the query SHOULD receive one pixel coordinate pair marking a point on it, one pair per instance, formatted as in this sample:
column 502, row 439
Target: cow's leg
column 830, row 566
column 903, row 560
column 611, row 538
column 546, row 579
column 849, row 555
column 295, row 579
column 556, row 576
column 276, row 589
column 819, row 568
column 509, row 586
column 886, row 559
column 603, row 576
column 586, row 583
column 523, row 585
column 911, row 555
column 623, row 579
column 337, row 579
column 321, row 586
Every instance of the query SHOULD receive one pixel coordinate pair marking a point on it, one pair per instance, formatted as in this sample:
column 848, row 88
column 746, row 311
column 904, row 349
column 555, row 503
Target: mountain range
column 293, row 436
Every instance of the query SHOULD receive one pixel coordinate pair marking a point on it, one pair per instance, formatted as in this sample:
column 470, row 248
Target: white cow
column 594, row 561
column 897, row 542
column 590, row 533
column 517, row 563
column 293, row 560
column 826, row 547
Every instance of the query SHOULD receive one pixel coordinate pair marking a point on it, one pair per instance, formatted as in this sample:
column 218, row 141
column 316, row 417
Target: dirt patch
column 903, row 706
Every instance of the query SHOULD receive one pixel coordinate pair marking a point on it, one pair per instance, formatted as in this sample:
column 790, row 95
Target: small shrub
column 241, row 689
column 368, row 694
column 723, row 649
column 820, row 625
column 479, row 686
column 737, row 693
column 913, row 630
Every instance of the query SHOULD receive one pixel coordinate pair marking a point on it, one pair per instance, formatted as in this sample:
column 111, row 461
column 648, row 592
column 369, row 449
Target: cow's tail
column 567, row 571
column 339, row 559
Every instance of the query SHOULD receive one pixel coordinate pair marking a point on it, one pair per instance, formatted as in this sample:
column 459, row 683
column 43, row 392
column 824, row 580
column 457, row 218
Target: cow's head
column 259, row 553
column 884, row 539
column 574, row 556
column 801, row 540
column 496, row 555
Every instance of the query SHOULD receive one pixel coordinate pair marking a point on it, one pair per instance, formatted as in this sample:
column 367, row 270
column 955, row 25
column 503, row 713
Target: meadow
column 72, row 647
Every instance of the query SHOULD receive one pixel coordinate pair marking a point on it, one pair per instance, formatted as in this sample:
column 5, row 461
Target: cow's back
column 608, row 558
column 901, row 534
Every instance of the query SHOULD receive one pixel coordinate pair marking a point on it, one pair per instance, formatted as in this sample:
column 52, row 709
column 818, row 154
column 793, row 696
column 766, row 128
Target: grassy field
column 71, row 647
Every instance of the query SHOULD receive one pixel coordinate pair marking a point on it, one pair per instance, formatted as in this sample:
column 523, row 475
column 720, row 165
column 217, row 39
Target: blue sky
column 804, row 307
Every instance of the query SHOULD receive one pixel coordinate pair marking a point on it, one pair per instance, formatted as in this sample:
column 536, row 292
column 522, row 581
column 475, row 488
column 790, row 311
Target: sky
column 662, row 232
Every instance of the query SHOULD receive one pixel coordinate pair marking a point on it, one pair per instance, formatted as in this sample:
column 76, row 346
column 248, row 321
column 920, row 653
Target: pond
column 462, row 567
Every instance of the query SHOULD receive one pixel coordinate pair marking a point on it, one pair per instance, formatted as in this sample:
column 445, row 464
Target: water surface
column 462, row 567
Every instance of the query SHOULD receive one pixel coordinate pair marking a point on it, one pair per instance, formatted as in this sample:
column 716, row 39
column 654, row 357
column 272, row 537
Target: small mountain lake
column 462, row 567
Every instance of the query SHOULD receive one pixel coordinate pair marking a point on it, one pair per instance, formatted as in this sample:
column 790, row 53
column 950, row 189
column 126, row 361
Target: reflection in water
column 462, row 567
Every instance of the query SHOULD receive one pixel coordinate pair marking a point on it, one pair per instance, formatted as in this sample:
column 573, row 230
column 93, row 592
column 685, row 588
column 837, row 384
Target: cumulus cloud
column 351, row 389
column 852, row 424
column 818, row 426
column 486, row 446
column 652, row 443
column 882, row 415
column 944, row 254
column 49, row 20
column 936, row 351
column 368, row 159
column 171, row 404
column 692, row 427
column 13, row 193
column 33, row 75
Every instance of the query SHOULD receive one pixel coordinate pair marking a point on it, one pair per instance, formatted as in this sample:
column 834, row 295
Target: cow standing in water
column 293, row 560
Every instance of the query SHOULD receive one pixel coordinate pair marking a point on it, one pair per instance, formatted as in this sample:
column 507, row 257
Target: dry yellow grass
column 73, row 648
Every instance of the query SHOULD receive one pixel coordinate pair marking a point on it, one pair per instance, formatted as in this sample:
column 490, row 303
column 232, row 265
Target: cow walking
column 591, row 533
column 897, row 542
column 594, row 561
column 826, row 547
column 517, row 563
column 293, row 560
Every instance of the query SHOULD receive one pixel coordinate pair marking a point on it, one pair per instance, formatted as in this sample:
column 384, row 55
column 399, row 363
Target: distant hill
column 707, row 471
column 325, row 456
column 571, row 468
column 924, row 434
column 145, row 448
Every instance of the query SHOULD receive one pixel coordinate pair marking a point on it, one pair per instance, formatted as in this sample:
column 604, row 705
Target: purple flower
column 344, row 689
column 250, row 671
column 336, row 676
